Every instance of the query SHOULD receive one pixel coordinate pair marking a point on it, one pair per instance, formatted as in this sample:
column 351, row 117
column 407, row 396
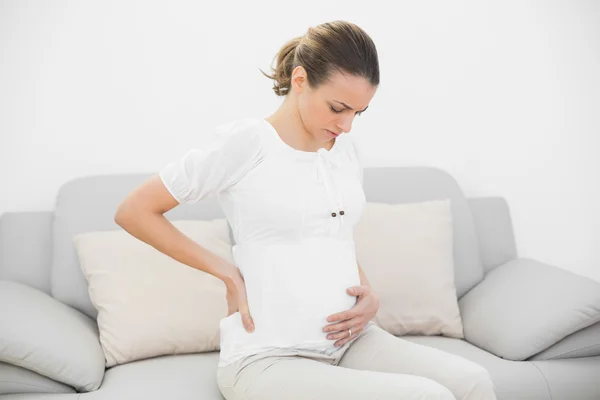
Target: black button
column 333, row 214
column 342, row 212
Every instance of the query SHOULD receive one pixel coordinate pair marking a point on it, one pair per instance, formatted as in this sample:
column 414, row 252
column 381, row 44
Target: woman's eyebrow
column 348, row 107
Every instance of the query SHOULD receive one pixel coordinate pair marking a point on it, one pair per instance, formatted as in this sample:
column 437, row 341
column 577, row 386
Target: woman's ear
column 298, row 81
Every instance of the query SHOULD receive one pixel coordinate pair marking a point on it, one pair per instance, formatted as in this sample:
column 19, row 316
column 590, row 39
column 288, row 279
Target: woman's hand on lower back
column 237, row 299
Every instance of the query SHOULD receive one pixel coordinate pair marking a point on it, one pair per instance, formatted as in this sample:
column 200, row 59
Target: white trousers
column 374, row 365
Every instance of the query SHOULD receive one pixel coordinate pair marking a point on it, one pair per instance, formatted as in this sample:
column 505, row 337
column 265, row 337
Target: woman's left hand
column 355, row 318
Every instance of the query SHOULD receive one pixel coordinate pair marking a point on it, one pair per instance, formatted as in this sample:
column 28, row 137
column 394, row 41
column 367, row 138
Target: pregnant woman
column 290, row 185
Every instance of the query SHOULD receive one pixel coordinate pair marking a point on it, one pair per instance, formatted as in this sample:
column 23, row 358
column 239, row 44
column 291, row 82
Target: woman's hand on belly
column 355, row 318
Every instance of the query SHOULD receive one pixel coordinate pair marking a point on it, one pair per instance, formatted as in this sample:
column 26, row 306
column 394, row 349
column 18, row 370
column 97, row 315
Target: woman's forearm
column 157, row 231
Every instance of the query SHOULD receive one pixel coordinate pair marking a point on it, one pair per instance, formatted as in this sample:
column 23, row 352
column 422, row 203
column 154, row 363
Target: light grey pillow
column 43, row 335
column 525, row 306
column 15, row 379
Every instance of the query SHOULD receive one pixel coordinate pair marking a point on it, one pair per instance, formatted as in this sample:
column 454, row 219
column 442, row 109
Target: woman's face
column 333, row 105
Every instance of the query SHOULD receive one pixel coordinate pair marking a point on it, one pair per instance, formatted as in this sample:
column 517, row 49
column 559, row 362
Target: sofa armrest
column 43, row 335
column 524, row 306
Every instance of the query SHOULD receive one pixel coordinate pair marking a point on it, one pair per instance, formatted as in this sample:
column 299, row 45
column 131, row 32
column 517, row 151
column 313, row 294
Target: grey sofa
column 535, row 327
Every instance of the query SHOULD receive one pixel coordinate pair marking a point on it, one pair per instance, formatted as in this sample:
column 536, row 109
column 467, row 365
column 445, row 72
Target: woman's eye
column 339, row 111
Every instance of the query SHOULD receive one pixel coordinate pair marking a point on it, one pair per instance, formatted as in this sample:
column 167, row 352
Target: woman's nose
column 345, row 124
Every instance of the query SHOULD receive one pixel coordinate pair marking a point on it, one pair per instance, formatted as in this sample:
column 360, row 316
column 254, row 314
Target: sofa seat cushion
column 182, row 377
column 513, row 379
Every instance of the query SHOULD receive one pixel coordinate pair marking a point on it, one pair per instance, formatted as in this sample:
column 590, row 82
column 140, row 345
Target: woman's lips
column 331, row 133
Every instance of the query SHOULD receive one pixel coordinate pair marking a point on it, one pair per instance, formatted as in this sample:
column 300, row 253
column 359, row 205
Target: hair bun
column 336, row 45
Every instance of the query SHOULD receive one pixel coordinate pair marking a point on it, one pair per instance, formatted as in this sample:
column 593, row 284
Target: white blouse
column 292, row 215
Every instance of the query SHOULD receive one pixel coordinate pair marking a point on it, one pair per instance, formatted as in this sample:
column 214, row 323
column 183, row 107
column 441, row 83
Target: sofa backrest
column 26, row 248
column 89, row 204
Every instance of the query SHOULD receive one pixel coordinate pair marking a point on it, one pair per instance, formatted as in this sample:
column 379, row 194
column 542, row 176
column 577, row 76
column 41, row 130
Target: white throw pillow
column 148, row 303
column 406, row 252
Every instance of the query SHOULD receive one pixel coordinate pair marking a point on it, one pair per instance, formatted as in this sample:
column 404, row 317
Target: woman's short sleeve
column 202, row 172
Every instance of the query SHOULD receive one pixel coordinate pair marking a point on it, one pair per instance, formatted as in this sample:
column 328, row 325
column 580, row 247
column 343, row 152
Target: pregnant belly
column 294, row 286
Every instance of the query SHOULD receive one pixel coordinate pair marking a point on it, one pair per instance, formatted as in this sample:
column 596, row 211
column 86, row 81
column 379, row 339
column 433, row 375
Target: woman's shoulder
column 244, row 132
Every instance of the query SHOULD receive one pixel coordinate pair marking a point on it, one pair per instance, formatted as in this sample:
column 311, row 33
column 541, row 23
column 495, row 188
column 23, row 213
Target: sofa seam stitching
column 543, row 377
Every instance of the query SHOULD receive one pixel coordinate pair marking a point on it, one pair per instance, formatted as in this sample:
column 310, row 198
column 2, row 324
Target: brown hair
column 332, row 45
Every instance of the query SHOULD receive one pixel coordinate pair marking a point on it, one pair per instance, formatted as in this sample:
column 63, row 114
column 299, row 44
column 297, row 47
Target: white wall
column 504, row 95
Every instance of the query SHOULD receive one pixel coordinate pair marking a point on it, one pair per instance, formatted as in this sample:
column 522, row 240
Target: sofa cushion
column 513, row 380
column 181, row 377
column 583, row 343
column 89, row 204
column 526, row 306
column 148, row 303
column 405, row 250
column 45, row 336
column 400, row 185
column 571, row 379
column 15, row 379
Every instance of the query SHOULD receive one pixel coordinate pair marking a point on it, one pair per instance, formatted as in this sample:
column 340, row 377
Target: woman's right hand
column 237, row 299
